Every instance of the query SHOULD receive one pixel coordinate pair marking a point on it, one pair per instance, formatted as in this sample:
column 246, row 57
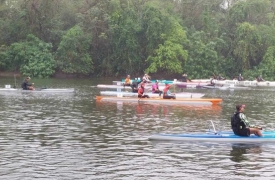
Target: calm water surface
column 71, row 136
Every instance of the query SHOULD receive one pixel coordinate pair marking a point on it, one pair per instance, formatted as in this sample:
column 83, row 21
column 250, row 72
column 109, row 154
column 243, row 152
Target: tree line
column 117, row 37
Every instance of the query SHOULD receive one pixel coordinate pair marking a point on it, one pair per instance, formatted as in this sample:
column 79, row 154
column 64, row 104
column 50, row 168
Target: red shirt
column 140, row 91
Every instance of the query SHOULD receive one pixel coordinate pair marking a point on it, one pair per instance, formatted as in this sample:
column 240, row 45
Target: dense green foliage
column 119, row 37
column 32, row 58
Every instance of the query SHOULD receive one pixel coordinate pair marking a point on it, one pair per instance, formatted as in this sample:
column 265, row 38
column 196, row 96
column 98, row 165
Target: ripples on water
column 71, row 136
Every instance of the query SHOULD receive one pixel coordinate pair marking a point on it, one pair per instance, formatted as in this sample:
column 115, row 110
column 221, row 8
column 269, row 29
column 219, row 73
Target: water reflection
column 158, row 110
column 240, row 152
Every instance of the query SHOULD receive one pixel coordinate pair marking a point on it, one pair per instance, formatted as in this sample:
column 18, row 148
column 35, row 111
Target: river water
column 71, row 136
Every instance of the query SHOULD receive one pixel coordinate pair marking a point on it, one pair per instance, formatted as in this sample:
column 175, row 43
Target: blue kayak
column 268, row 136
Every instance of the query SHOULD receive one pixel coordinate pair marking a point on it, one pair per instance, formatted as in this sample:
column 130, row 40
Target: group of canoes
column 241, row 128
column 140, row 89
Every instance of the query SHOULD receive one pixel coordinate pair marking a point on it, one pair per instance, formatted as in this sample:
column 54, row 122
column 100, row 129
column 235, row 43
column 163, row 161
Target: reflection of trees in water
column 160, row 115
column 240, row 152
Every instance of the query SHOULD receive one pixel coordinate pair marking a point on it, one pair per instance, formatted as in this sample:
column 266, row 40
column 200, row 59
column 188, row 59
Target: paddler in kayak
column 141, row 91
column 155, row 88
column 134, row 85
column 166, row 92
column 241, row 126
column 146, row 78
column 26, row 85
column 127, row 81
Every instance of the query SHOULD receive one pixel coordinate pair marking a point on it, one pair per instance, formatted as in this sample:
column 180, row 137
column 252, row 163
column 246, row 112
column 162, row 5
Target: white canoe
column 245, row 83
column 48, row 90
column 131, row 94
column 201, row 80
column 148, row 86
column 215, row 87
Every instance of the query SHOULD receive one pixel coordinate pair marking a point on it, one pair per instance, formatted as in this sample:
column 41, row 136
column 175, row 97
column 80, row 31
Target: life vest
column 236, row 122
column 165, row 90
column 127, row 81
column 140, row 91
column 154, row 87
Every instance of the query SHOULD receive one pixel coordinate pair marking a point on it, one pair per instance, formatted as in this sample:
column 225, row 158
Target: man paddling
column 26, row 85
column 134, row 85
column 241, row 126
column 166, row 92
column 127, row 81
column 141, row 91
column 155, row 88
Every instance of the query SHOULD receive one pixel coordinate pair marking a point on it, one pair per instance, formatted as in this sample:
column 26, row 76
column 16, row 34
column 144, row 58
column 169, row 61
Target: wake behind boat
column 150, row 94
column 192, row 101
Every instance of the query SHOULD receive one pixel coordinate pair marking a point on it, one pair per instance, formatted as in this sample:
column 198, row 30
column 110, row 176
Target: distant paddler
column 127, row 81
column 184, row 77
column 155, row 88
column 260, row 79
column 166, row 92
column 146, row 78
column 134, row 85
column 26, row 85
column 141, row 91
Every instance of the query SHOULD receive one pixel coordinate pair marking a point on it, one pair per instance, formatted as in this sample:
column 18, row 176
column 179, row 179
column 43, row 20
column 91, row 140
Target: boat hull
column 131, row 94
column 190, row 84
column 245, row 83
column 268, row 136
column 216, row 87
column 193, row 101
column 48, row 90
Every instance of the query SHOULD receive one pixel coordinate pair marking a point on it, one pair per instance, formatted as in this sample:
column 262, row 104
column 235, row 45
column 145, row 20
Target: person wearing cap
column 146, row 78
column 127, row 81
column 26, row 85
column 184, row 78
column 166, row 92
column 155, row 88
column 241, row 126
column 141, row 91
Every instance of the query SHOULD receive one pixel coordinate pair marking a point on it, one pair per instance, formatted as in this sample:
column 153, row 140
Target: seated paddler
column 134, row 85
column 127, row 81
column 166, row 92
column 241, row 126
column 26, row 85
column 141, row 91
column 155, row 88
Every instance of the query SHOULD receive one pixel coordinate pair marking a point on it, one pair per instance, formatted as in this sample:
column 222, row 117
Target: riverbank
column 56, row 75
column 159, row 76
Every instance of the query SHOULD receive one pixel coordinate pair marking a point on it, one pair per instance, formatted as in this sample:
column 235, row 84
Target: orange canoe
column 161, row 100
